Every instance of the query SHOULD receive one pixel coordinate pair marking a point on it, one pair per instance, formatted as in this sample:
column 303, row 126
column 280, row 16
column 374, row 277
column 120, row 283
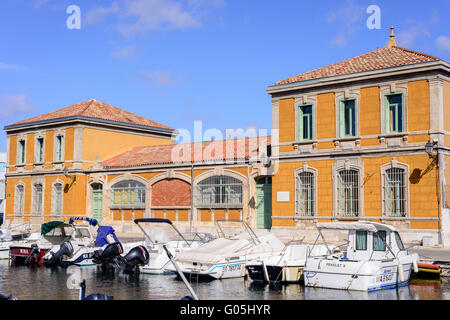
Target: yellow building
column 47, row 156
column 352, row 139
column 93, row 159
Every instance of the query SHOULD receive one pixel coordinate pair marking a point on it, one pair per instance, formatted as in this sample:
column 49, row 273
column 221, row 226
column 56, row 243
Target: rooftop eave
column 86, row 119
column 358, row 76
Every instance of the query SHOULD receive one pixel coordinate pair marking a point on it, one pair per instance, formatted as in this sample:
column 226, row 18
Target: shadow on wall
column 417, row 173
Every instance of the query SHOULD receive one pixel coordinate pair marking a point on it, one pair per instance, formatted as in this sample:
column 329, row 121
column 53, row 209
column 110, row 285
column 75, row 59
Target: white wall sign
column 283, row 196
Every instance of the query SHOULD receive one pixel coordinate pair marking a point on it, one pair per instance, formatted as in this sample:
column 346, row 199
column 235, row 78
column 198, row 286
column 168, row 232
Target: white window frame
column 55, row 199
column 297, row 173
column 339, row 166
column 383, row 169
column 39, row 157
column 62, row 147
column 18, row 205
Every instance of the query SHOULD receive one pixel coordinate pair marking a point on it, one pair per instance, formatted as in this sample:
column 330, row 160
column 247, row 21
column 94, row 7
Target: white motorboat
column 7, row 239
column 86, row 237
column 38, row 244
column 10, row 235
column 372, row 258
column 159, row 232
column 285, row 267
column 226, row 256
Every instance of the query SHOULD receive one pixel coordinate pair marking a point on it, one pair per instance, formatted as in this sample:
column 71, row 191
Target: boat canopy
column 363, row 226
column 153, row 220
column 91, row 221
column 102, row 233
column 49, row 226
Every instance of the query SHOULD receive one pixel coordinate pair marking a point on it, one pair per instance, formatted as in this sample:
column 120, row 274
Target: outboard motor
column 138, row 256
column 109, row 256
column 92, row 296
column 66, row 248
column 34, row 255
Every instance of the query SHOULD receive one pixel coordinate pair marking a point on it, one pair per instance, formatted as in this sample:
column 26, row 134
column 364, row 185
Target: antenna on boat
column 180, row 273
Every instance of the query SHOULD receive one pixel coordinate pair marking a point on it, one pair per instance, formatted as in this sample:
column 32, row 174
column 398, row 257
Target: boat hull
column 217, row 271
column 369, row 277
column 282, row 274
column 4, row 253
column 19, row 254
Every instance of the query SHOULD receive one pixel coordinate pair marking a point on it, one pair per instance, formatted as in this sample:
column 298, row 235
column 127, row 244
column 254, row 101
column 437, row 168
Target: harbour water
column 41, row 283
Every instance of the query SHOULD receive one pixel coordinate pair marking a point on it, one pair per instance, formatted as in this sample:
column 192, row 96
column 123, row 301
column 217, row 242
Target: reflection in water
column 41, row 283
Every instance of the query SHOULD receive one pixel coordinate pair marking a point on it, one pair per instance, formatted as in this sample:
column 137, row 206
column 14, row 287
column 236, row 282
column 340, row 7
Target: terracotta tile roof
column 386, row 57
column 243, row 148
column 95, row 110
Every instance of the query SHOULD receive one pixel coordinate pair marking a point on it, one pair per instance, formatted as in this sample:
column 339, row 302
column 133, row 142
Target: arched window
column 306, row 194
column 219, row 191
column 348, row 193
column 19, row 199
column 57, row 198
column 37, row 199
column 128, row 192
column 395, row 192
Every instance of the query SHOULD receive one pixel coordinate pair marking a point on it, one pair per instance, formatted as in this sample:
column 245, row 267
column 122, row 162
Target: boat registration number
column 385, row 277
column 236, row 267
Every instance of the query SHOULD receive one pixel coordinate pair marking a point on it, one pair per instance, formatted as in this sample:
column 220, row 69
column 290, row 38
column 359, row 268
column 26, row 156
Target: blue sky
column 176, row 61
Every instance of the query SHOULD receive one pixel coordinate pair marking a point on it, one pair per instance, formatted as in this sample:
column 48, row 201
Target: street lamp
column 429, row 147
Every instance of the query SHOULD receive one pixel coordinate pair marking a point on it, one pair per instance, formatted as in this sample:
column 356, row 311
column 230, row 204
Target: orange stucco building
column 348, row 143
column 352, row 144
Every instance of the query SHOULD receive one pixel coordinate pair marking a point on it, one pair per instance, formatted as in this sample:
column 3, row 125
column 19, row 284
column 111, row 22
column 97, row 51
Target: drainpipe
column 439, row 189
column 192, row 197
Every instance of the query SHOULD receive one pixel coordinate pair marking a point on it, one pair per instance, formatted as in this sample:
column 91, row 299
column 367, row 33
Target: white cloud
column 135, row 16
column 161, row 78
column 349, row 19
column 416, row 30
column 127, row 52
column 443, row 43
column 9, row 66
column 15, row 104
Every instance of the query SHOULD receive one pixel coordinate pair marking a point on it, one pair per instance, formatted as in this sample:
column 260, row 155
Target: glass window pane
column 361, row 240
column 128, row 192
column 220, row 190
column 379, row 244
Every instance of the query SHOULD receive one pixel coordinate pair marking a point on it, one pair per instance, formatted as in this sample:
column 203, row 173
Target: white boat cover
column 363, row 226
column 241, row 246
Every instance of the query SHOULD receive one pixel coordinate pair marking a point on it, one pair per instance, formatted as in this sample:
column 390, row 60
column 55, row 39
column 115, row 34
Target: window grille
column 348, row 191
column 395, row 192
column 20, row 193
column 57, row 189
column 219, row 191
column 128, row 193
column 38, row 199
column 305, row 194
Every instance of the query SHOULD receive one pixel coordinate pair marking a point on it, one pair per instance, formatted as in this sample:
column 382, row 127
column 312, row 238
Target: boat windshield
column 82, row 233
column 399, row 241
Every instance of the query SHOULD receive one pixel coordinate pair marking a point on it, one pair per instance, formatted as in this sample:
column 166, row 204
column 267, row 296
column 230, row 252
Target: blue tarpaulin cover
column 100, row 241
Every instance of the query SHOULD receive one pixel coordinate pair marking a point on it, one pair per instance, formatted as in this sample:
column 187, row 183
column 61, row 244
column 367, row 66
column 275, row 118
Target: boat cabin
column 368, row 240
